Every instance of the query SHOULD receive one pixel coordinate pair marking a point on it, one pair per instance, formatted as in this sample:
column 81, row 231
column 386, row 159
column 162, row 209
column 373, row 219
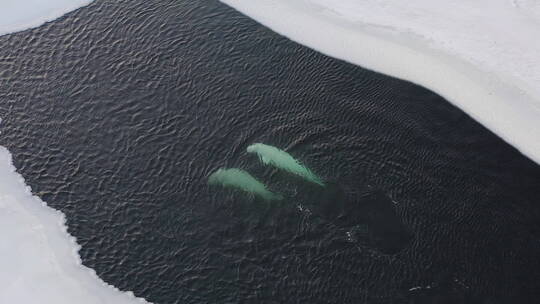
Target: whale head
column 254, row 148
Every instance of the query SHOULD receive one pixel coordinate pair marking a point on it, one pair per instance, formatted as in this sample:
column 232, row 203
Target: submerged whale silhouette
column 369, row 212
column 280, row 159
column 240, row 179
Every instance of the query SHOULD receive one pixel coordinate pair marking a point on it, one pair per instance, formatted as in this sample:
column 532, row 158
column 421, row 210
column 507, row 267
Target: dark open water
column 117, row 113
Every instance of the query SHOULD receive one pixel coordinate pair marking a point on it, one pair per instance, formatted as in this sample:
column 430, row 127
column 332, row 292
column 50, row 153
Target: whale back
column 240, row 179
column 270, row 155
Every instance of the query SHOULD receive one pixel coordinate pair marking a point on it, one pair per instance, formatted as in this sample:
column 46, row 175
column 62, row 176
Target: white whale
column 273, row 156
column 240, row 179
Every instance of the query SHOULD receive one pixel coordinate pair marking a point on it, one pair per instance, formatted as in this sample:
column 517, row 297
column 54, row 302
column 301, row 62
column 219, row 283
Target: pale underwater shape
column 273, row 156
column 240, row 179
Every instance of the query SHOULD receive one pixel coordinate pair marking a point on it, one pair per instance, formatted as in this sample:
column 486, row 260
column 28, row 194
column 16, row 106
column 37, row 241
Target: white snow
column 39, row 261
column 482, row 55
column 18, row 15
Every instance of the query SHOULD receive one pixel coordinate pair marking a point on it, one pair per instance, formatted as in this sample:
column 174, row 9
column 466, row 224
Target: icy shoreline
column 19, row 15
column 40, row 261
column 505, row 99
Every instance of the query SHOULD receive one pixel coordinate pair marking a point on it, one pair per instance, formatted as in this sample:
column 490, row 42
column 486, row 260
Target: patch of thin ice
column 483, row 56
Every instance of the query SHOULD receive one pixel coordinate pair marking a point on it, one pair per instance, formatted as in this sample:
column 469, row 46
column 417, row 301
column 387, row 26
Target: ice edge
column 506, row 108
column 45, row 265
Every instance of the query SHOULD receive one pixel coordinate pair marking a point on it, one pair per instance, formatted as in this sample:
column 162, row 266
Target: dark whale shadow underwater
column 117, row 113
column 368, row 215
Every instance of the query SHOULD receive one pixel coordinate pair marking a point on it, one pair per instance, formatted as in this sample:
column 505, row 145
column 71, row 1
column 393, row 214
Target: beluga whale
column 240, row 179
column 270, row 155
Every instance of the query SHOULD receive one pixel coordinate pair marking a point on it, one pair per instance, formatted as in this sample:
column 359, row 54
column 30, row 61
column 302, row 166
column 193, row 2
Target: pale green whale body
column 273, row 156
column 240, row 179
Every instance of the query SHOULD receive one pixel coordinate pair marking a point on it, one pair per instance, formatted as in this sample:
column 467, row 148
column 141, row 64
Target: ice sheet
column 39, row 260
column 18, row 15
column 483, row 56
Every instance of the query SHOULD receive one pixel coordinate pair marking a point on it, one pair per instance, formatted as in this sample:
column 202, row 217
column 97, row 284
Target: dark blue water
column 117, row 113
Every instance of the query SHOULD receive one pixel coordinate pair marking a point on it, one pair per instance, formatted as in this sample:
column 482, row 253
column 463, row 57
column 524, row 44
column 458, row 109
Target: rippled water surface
column 117, row 113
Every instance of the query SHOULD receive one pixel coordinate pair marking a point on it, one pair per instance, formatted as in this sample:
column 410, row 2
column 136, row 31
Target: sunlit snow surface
column 483, row 56
column 18, row 15
column 40, row 261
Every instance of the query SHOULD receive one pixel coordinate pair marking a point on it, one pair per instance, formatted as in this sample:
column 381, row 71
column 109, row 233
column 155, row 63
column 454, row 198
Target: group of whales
column 368, row 215
column 268, row 155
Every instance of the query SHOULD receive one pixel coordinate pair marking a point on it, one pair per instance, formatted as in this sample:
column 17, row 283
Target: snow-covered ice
column 482, row 55
column 39, row 260
column 18, row 15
